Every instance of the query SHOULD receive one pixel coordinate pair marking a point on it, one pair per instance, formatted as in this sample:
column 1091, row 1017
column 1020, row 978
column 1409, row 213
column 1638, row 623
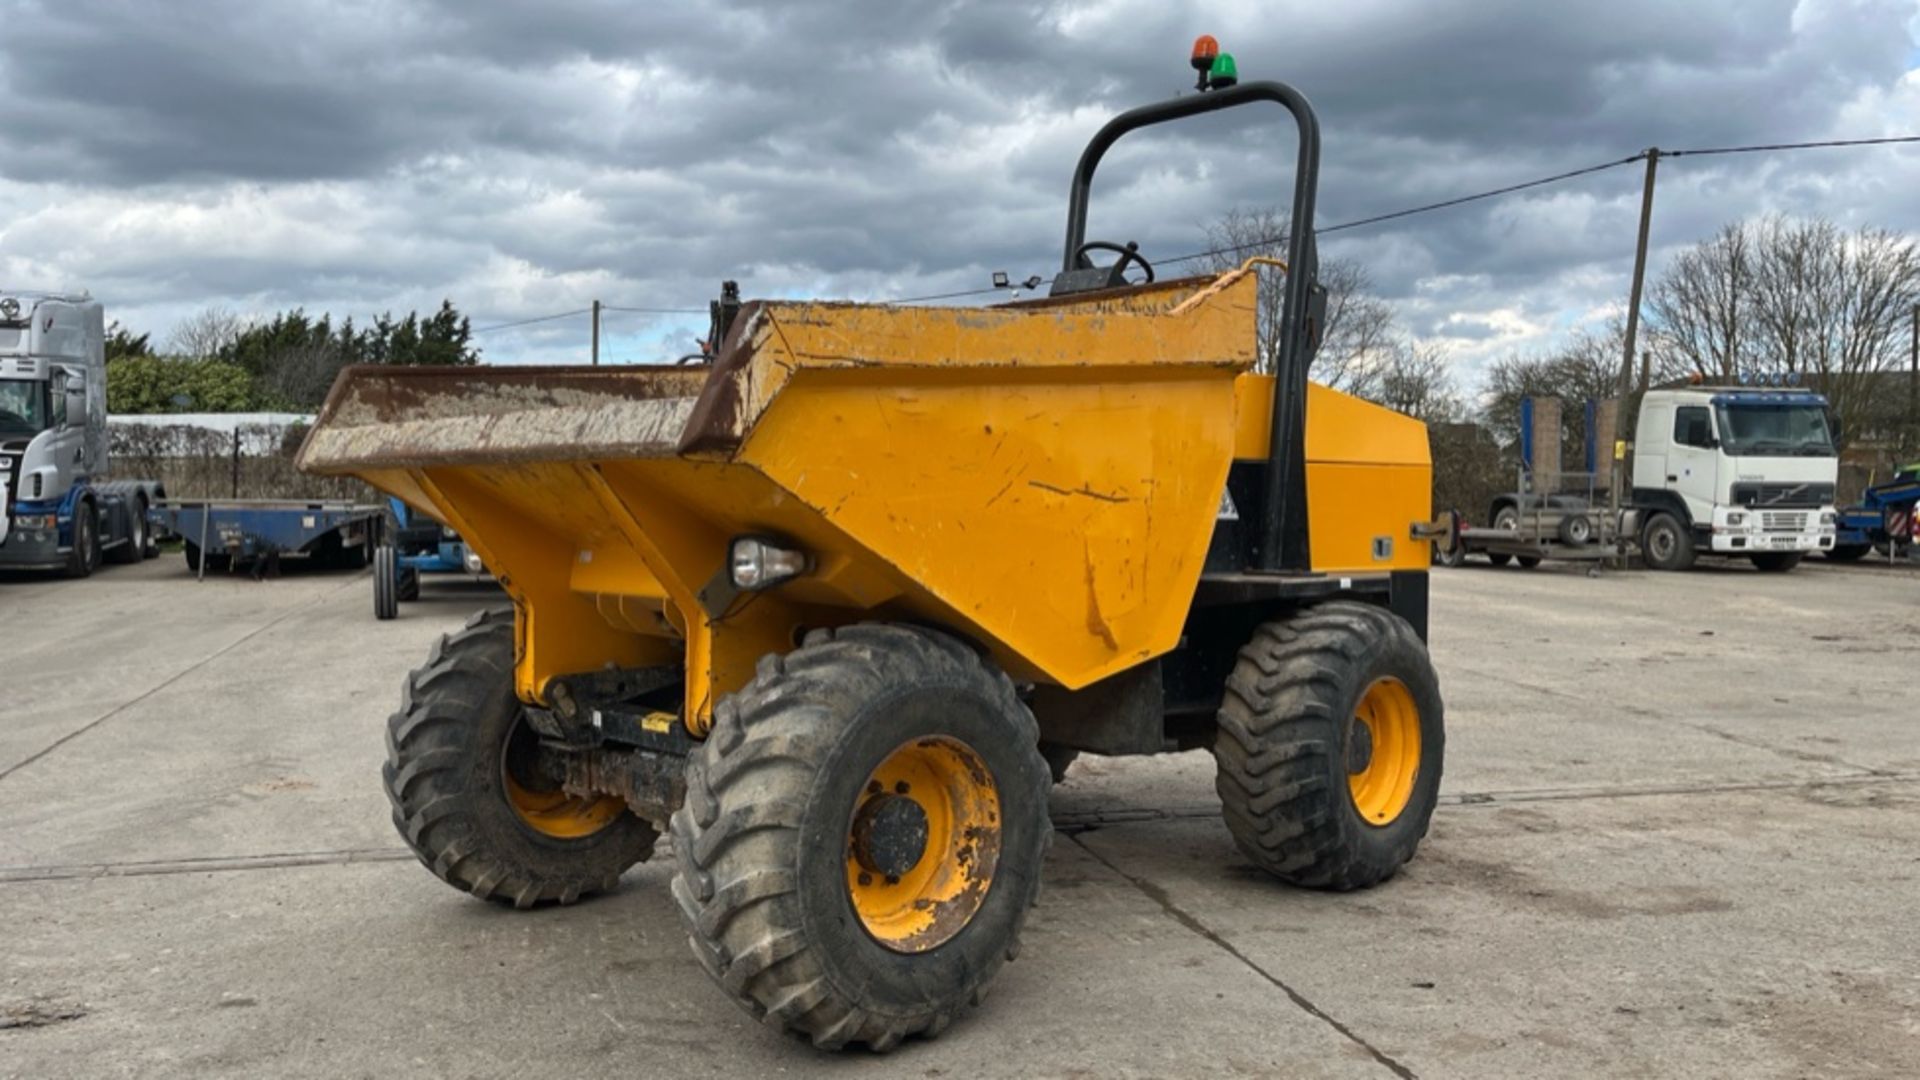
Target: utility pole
column 596, row 333
column 1913, row 381
column 1639, row 273
column 1616, row 476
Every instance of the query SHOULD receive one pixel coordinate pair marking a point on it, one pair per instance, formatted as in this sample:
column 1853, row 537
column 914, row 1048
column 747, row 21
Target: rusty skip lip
column 382, row 416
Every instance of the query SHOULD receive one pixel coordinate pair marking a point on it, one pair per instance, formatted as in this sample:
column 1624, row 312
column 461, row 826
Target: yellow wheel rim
column 1383, row 751
column 923, row 842
column 550, row 811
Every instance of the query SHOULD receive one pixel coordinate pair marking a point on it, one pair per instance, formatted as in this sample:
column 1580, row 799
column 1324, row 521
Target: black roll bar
column 1282, row 540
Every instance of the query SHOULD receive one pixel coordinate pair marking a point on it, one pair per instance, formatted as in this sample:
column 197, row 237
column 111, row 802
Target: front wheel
column 1331, row 740
column 1776, row 562
column 470, row 797
column 1666, row 543
column 862, row 835
column 1849, row 552
column 84, row 558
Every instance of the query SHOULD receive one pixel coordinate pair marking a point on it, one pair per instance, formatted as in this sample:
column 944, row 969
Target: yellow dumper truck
column 824, row 608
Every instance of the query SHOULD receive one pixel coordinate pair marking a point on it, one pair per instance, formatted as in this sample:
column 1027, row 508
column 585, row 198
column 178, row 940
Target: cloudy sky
column 354, row 156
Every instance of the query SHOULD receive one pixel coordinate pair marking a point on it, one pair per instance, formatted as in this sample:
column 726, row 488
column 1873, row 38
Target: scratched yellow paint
column 1369, row 475
column 1043, row 477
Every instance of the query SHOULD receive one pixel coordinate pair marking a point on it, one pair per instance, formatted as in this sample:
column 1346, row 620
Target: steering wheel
column 1117, row 272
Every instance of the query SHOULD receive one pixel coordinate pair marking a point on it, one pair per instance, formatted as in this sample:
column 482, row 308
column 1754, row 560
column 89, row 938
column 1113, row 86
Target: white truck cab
column 1737, row 471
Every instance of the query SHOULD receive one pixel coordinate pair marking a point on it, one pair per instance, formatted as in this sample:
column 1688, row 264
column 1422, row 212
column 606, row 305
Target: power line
column 1508, row 190
column 1412, row 210
column 1883, row 141
column 1544, row 181
column 1376, row 219
column 530, row 322
column 942, row 296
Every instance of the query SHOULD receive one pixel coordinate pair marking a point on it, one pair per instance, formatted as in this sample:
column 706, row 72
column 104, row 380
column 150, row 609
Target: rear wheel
column 862, row 835
column 1666, row 543
column 151, row 550
column 136, row 544
column 1330, row 746
column 1776, row 562
column 84, row 558
column 470, row 798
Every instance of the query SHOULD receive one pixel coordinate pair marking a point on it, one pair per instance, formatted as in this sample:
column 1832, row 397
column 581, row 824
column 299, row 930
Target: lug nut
column 901, row 788
column 866, row 879
column 873, row 787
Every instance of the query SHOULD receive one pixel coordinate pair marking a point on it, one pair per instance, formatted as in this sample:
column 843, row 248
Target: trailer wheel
column 468, row 796
column 1527, row 562
column 1776, row 562
column 216, row 561
column 862, row 835
column 84, row 558
column 1667, row 543
column 1507, row 518
column 406, row 583
column 136, row 545
column 386, row 601
column 1576, row 530
column 1331, row 740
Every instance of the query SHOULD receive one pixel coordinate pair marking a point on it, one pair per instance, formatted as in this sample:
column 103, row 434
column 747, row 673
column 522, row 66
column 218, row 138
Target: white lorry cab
column 1736, row 471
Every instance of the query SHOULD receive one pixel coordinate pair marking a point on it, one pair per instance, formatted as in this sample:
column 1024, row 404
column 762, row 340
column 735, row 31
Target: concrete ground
column 1680, row 836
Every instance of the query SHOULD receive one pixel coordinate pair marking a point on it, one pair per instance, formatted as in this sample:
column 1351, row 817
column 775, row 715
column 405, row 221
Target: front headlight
column 34, row 521
column 1736, row 518
column 1828, row 517
column 754, row 563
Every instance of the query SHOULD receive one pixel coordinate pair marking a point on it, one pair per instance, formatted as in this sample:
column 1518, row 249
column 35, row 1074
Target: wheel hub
column 1383, row 751
column 890, row 834
column 922, row 845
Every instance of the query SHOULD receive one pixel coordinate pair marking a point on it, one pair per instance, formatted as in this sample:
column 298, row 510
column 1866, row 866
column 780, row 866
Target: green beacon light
column 1223, row 74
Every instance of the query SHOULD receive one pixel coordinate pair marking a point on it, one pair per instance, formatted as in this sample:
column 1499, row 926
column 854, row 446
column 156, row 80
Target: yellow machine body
column 1044, row 477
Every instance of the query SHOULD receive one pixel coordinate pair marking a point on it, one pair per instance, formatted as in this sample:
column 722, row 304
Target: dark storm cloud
column 525, row 158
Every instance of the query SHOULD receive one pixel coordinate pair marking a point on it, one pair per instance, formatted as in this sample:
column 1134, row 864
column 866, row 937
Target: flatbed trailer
column 1884, row 519
column 225, row 533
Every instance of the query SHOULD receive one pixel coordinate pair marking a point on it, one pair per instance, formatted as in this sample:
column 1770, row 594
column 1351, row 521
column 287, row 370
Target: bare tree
column 1582, row 370
column 299, row 375
column 206, row 333
column 1698, row 317
column 1780, row 296
column 1359, row 329
column 1412, row 378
